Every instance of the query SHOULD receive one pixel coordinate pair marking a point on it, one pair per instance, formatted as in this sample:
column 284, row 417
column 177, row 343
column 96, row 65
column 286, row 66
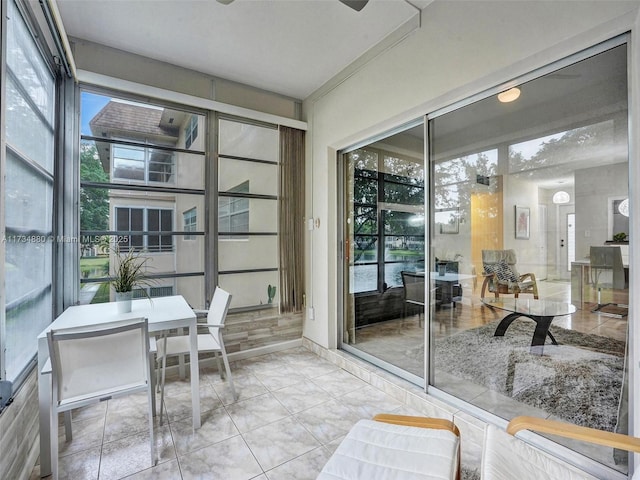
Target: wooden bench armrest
column 422, row 422
column 567, row 430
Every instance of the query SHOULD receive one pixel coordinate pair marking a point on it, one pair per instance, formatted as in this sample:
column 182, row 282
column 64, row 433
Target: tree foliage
column 94, row 202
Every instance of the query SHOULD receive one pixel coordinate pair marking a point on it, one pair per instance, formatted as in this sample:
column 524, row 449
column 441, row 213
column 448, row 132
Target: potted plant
column 620, row 237
column 129, row 274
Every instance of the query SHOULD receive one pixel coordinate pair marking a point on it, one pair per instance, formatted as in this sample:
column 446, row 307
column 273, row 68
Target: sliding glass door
column 384, row 251
column 530, row 195
column 499, row 274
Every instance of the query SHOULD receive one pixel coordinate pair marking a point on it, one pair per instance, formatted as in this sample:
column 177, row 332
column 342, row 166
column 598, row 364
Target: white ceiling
column 291, row 47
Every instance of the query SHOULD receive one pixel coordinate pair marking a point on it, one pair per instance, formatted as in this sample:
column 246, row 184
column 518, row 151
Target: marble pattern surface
column 294, row 408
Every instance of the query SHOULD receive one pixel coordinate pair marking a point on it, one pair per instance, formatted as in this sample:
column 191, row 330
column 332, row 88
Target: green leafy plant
column 620, row 237
column 129, row 271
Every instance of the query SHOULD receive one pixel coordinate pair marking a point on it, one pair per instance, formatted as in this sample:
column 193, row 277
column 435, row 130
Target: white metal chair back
column 218, row 311
column 101, row 362
column 93, row 364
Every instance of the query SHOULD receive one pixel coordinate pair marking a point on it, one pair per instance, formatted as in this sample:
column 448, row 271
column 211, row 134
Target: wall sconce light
column 623, row 207
column 561, row 197
column 509, row 95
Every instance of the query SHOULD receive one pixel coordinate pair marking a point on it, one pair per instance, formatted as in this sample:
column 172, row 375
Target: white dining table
column 162, row 313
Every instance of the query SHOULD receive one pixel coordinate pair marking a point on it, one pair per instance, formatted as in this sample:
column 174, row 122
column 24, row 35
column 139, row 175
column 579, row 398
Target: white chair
column 397, row 447
column 420, row 448
column 208, row 342
column 91, row 365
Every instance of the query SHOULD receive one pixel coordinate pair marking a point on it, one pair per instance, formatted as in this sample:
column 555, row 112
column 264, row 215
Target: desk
column 581, row 287
column 446, row 283
column 162, row 313
column 540, row 311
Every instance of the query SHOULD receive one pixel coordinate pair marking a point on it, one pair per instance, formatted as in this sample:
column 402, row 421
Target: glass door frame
column 343, row 263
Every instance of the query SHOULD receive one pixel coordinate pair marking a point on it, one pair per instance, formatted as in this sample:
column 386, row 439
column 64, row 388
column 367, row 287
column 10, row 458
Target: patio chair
column 413, row 292
column 419, row 448
column 397, row 447
column 91, row 365
column 501, row 276
column 170, row 346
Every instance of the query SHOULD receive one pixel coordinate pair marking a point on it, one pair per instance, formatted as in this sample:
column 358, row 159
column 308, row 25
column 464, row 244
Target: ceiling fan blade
column 357, row 5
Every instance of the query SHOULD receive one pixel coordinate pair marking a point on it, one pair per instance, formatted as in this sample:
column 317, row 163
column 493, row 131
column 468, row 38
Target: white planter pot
column 123, row 301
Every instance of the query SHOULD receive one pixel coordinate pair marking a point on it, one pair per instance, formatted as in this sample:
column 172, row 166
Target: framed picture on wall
column 522, row 222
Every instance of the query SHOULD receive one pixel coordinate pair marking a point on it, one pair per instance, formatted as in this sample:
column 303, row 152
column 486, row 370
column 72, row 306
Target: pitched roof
column 136, row 120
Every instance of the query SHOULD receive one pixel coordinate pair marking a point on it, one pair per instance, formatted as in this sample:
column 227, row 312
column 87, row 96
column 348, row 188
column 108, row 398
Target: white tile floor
column 293, row 409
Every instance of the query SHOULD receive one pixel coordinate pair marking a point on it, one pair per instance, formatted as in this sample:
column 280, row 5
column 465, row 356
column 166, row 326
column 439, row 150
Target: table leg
column 195, row 374
column 540, row 334
column 44, row 414
column 505, row 323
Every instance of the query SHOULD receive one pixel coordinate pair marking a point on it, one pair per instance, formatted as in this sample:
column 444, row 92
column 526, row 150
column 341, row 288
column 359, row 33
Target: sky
column 91, row 104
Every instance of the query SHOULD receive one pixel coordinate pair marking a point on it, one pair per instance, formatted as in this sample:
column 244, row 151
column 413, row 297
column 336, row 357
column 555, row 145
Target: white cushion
column 181, row 344
column 507, row 458
column 375, row 450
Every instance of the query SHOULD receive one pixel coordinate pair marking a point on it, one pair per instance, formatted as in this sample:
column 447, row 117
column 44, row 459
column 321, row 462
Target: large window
column 190, row 222
column 523, row 193
column 140, row 164
column 157, row 223
column 388, row 199
column 384, row 251
column 29, row 103
column 248, row 213
column 233, row 212
column 527, row 199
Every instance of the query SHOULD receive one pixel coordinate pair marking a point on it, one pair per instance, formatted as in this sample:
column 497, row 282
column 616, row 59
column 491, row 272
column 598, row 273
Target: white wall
column 594, row 187
column 460, row 49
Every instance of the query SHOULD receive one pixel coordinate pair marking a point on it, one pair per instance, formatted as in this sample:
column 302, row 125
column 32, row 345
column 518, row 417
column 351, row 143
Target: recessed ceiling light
column 509, row 95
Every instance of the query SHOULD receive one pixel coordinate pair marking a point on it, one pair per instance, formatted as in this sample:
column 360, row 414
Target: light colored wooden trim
column 422, row 422
column 585, row 434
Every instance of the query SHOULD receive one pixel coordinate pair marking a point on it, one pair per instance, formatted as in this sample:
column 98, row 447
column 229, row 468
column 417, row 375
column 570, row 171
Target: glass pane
column 250, row 289
column 27, row 199
column 259, row 178
column 23, row 324
column 262, row 215
column 30, row 196
column 143, row 165
column 26, row 63
column 248, row 141
column 28, row 299
column 533, row 208
column 26, row 130
column 378, row 319
column 128, row 163
column 179, row 253
column 253, row 252
column 28, row 267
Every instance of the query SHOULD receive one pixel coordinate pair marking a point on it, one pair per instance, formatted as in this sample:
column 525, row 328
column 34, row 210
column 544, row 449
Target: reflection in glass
column 384, row 230
column 144, row 146
column 566, row 133
column 248, row 228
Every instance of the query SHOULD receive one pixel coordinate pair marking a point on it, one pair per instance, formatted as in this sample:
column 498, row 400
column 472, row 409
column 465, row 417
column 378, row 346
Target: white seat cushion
column 180, row 344
column 506, row 458
column 375, row 450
